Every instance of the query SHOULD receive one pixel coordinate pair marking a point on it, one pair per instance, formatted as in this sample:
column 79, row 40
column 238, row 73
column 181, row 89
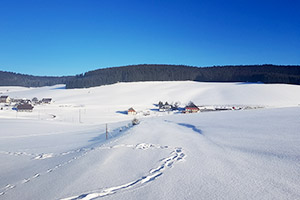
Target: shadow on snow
column 194, row 128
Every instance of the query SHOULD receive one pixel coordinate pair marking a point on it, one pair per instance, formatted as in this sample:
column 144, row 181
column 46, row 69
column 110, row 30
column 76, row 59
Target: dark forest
column 135, row 73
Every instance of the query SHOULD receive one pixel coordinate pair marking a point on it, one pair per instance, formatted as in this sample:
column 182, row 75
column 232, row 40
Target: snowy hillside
column 59, row 151
column 107, row 103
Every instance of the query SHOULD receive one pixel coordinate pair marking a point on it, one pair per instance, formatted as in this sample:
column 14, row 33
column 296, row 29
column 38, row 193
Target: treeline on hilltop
column 135, row 73
column 15, row 79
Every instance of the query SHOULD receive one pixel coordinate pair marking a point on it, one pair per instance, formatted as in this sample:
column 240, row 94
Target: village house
column 13, row 100
column 25, row 101
column 25, row 107
column 35, row 100
column 191, row 108
column 47, row 100
column 164, row 107
column 4, row 99
column 131, row 111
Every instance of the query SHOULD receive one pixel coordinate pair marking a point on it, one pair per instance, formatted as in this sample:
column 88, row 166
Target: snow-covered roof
column 131, row 110
column 25, row 106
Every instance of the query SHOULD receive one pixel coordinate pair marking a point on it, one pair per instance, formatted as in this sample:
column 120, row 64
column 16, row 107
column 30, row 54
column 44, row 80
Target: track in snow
column 176, row 155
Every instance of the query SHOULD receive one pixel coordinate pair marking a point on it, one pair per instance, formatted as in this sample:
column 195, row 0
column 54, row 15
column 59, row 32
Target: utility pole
column 106, row 134
column 79, row 116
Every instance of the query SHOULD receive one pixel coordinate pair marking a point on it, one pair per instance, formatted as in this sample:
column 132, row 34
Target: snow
column 245, row 154
column 107, row 103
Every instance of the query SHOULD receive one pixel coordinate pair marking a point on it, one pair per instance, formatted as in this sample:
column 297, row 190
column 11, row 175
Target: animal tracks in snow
column 18, row 153
column 165, row 163
column 6, row 188
column 175, row 156
column 43, row 156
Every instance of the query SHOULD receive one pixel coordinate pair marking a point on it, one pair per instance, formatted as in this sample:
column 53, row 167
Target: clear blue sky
column 67, row 37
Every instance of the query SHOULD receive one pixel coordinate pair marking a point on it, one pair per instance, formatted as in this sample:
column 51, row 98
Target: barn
column 131, row 111
column 47, row 100
column 4, row 99
column 25, row 107
column 191, row 108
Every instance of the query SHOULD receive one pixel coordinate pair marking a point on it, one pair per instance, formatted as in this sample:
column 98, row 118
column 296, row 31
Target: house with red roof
column 191, row 108
column 131, row 111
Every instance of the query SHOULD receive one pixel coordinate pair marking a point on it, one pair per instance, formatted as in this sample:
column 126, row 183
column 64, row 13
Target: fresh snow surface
column 107, row 103
column 245, row 154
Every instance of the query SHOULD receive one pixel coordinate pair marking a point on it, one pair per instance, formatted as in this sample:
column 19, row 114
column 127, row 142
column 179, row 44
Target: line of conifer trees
column 253, row 73
column 134, row 73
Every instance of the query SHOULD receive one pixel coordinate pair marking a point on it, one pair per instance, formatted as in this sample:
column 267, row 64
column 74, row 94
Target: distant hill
column 15, row 79
column 135, row 73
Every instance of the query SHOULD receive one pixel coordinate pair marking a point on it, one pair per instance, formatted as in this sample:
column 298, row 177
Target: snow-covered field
column 245, row 154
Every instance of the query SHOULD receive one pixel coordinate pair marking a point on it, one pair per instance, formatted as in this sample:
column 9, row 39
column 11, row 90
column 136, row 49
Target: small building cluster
column 23, row 105
column 190, row 108
column 167, row 107
column 34, row 101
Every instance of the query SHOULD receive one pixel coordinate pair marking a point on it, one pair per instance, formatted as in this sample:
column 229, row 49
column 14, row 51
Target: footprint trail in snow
column 176, row 155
